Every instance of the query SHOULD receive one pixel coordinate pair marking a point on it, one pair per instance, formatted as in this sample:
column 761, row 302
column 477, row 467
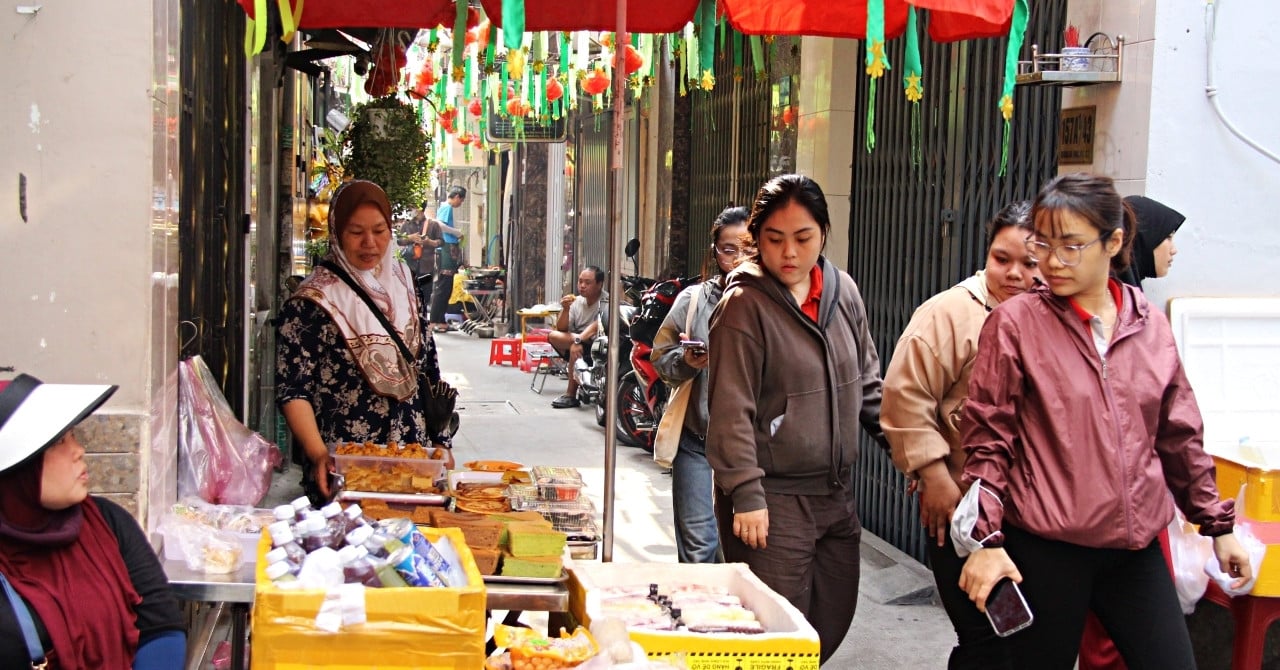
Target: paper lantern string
column 912, row 85
column 1017, row 33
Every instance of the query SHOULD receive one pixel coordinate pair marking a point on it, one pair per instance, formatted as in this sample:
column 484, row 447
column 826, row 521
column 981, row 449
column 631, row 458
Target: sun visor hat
column 34, row 414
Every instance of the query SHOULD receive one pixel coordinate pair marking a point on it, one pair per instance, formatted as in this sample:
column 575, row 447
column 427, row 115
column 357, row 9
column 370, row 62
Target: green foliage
column 385, row 144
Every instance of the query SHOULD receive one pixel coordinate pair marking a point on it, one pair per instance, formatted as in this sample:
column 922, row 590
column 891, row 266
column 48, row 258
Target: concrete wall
column 828, row 87
column 77, row 273
column 1158, row 136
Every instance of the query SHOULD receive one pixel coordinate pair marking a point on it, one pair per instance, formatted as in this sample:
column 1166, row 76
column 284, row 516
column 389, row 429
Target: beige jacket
column 928, row 379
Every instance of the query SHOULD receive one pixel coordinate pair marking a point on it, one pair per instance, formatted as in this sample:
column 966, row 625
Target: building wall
column 1158, row 136
column 829, row 73
column 77, row 272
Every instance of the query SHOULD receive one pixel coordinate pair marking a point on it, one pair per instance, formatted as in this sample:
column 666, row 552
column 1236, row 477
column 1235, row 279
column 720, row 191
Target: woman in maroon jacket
column 1079, row 426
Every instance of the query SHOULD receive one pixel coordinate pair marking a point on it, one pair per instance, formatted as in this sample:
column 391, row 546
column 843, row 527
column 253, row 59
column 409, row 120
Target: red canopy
column 647, row 16
column 822, row 19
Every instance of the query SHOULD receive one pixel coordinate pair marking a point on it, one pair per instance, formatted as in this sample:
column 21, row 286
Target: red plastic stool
column 537, row 335
column 1252, row 615
column 504, row 350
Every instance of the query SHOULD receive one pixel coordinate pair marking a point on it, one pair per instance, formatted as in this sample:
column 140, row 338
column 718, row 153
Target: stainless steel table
column 214, row 596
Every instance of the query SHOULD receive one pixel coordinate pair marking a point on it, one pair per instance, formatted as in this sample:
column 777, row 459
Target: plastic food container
column 556, row 474
column 388, row 474
column 560, row 491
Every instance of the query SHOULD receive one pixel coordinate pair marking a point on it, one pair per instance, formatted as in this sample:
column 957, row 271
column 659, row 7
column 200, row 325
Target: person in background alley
column 1080, row 429
column 339, row 377
column 924, row 390
column 449, row 257
column 793, row 373
column 697, row 539
column 576, row 326
column 82, row 586
column 418, row 240
column 1153, row 252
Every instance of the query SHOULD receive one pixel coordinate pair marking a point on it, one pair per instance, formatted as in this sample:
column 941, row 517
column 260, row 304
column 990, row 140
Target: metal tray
column 433, row 499
column 502, row 579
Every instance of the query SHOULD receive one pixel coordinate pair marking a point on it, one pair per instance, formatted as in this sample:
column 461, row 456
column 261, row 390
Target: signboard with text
column 1075, row 135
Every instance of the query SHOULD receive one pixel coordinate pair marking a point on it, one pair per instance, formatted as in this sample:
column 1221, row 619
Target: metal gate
column 212, row 223
column 917, row 230
column 592, row 216
column 729, row 156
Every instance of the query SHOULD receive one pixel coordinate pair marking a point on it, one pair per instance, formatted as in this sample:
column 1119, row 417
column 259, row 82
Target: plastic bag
column 203, row 547
column 1190, row 551
column 220, row 460
column 1256, row 550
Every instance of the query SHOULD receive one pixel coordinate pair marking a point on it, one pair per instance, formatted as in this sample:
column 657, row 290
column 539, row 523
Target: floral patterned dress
column 313, row 363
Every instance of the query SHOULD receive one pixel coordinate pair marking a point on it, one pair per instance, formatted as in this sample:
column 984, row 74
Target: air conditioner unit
column 502, row 129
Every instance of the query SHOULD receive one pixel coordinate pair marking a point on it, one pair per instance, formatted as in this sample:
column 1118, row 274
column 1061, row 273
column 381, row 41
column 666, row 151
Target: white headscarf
column 390, row 287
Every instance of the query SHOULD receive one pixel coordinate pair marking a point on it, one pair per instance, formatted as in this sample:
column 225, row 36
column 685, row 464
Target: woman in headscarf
column 78, row 568
column 340, row 376
column 1153, row 248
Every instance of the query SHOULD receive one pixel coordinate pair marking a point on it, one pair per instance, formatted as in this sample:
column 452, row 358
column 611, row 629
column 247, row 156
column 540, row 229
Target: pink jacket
column 1080, row 449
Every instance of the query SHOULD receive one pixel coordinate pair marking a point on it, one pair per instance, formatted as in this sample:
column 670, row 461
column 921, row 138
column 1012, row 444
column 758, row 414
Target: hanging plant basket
column 385, row 144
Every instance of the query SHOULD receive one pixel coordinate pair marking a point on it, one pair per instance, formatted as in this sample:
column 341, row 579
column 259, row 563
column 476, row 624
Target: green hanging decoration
column 542, row 93
column 737, row 56
column 1017, row 32
column 512, row 23
column 459, row 29
column 502, row 92
column 491, row 50
column 757, row 55
column 877, row 63
column 468, row 75
column 911, row 81
column 255, row 30
column 679, row 56
column 433, row 40
column 706, row 16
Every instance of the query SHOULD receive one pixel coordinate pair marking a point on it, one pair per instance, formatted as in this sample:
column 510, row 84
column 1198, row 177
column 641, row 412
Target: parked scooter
column 642, row 395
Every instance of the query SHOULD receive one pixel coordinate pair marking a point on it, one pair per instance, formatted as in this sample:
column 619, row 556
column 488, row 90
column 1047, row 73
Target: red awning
column 317, row 14
column 822, row 19
column 643, row 16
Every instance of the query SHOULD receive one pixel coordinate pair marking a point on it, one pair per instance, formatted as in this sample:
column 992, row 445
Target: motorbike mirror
column 633, row 247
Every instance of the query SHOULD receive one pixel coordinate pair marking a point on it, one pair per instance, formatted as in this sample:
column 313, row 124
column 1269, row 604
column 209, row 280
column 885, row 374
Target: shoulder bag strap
column 694, row 306
column 377, row 313
column 27, row 624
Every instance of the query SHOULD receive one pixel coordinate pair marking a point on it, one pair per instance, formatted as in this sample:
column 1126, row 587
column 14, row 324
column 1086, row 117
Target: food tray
column 576, row 518
column 556, row 474
column 433, row 499
column 388, row 474
column 501, row 579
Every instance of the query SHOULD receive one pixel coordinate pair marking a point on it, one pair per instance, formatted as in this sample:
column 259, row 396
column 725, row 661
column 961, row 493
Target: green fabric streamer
column 871, row 116
column 502, row 92
column 1017, row 33
column 757, row 54
column 737, row 52
column 459, row 29
column 877, row 63
column 707, row 42
column 512, row 22
column 542, row 92
column 491, row 49
column 564, row 53
column 912, row 81
column 466, row 79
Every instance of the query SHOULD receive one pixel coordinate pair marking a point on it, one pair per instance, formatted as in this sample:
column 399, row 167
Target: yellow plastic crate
column 424, row 628
column 1239, row 465
column 790, row 642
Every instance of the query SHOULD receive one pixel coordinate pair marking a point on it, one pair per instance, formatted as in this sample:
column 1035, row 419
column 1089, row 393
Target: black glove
column 438, row 403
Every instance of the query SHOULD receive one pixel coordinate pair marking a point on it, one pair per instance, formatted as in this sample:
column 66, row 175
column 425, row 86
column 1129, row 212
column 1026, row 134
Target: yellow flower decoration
column 914, row 90
column 515, row 63
column 876, row 67
column 458, row 73
column 1006, row 107
column 708, row 81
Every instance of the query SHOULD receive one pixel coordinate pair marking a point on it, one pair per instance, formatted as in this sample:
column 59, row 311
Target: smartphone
column 695, row 345
column 1007, row 609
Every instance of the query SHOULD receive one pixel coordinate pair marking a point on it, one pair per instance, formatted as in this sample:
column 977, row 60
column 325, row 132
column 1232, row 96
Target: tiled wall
column 112, row 445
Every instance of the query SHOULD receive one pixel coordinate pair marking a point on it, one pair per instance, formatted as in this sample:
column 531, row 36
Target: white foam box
column 789, row 640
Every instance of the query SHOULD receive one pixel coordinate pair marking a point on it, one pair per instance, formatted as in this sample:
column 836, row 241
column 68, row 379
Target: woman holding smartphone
column 678, row 357
column 1080, row 430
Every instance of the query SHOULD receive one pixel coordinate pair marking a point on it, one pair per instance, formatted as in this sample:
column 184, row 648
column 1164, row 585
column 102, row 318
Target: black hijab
column 1156, row 222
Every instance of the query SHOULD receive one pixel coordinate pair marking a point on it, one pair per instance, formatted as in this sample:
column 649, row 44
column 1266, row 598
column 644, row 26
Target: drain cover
column 487, row 407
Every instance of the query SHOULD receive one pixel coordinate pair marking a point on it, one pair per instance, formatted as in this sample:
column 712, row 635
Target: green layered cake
column 543, row 567
column 534, row 539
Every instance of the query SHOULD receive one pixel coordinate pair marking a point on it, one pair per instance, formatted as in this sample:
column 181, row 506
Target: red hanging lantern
column 596, row 82
column 554, row 90
column 426, row 75
column 789, row 116
column 446, row 117
column 518, row 107
column 475, row 108
column 633, row 60
column 464, row 139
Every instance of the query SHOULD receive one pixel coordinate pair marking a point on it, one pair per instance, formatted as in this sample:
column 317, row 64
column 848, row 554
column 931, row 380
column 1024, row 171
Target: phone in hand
column 695, row 346
column 1007, row 610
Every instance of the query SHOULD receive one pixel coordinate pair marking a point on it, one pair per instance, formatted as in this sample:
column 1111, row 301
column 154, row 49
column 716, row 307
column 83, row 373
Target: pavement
column 899, row 624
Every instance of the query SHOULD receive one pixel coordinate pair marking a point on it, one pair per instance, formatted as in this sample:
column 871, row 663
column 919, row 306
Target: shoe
column 565, row 401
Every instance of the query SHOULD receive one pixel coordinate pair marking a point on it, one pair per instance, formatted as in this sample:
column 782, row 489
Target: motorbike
column 642, row 395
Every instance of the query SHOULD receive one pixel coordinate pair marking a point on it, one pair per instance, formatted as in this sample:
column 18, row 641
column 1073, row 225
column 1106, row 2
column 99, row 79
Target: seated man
column 576, row 327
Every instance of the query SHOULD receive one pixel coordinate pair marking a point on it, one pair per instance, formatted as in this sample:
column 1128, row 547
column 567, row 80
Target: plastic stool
column 504, row 350
column 1252, row 616
column 533, row 354
column 537, row 335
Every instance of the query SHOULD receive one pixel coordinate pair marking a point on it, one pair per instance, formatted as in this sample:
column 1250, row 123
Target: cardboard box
column 790, row 642
column 425, row 628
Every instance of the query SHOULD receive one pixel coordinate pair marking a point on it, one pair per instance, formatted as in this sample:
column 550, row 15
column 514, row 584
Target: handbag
column 441, row 398
column 667, row 441
column 28, row 625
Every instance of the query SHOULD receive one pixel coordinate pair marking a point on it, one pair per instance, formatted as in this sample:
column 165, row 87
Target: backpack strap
column 27, row 624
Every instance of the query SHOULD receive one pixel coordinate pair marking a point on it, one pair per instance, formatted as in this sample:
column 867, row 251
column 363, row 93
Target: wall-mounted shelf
column 1103, row 64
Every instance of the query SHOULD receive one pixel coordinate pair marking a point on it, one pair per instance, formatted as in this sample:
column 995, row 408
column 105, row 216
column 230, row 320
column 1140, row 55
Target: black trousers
column 424, row 295
column 440, row 292
column 1130, row 591
column 978, row 647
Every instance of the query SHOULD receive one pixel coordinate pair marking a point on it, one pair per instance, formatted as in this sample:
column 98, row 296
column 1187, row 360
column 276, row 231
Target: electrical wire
column 1211, row 91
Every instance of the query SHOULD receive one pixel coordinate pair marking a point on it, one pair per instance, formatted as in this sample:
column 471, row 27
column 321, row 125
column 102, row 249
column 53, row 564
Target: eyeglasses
column 1069, row 255
column 731, row 250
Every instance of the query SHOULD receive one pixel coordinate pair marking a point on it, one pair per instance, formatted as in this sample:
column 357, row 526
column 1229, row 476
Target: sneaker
column 565, row 401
